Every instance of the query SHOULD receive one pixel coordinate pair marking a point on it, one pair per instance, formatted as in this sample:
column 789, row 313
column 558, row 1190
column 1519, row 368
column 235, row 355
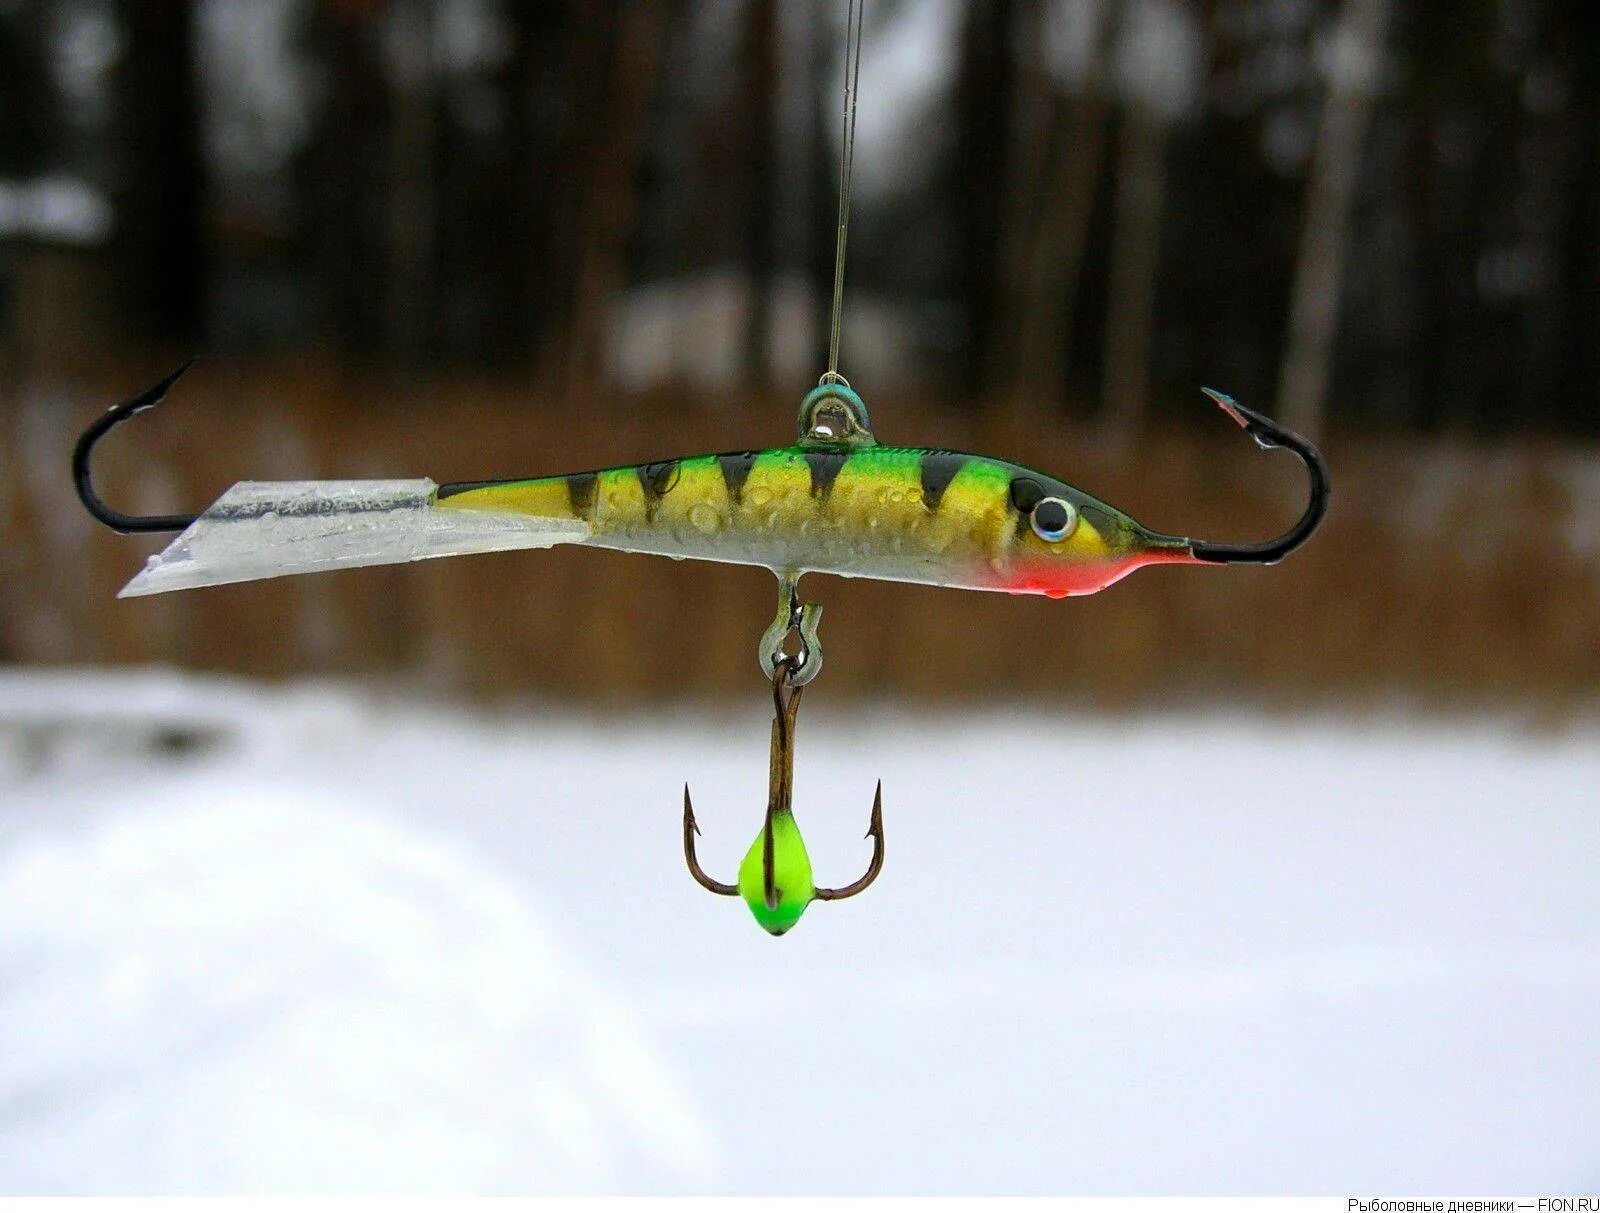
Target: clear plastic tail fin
column 260, row 529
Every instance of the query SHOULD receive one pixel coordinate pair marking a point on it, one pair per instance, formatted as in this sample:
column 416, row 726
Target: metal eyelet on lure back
column 833, row 416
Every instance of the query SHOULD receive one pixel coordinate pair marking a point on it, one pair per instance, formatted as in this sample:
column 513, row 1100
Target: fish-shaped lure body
column 892, row 513
column 836, row 502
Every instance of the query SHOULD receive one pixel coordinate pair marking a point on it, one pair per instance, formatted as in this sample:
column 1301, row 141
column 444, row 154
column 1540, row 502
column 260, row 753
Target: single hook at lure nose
column 1269, row 435
column 775, row 877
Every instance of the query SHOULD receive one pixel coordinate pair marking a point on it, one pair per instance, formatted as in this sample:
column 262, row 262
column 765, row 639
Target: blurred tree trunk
column 541, row 188
column 759, row 72
column 348, row 227
column 412, row 169
column 984, row 89
column 1356, row 58
column 24, row 144
column 26, row 135
column 159, row 245
column 1070, row 182
column 1582, row 388
column 584, row 47
column 1558, row 206
column 1135, row 258
column 1031, row 120
column 513, row 132
column 613, row 184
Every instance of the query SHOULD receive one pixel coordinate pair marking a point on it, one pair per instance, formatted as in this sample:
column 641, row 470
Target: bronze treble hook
column 775, row 878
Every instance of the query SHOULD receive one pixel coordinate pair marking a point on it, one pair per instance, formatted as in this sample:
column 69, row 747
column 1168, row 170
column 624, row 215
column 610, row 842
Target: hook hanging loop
column 834, row 417
column 797, row 621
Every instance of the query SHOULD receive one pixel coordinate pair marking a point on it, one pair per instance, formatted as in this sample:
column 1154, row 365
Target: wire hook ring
column 800, row 620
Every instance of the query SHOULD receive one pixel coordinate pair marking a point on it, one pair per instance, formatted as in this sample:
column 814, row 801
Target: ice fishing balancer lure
column 835, row 502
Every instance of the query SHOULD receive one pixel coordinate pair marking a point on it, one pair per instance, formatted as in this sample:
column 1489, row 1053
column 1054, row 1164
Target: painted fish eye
column 1053, row 519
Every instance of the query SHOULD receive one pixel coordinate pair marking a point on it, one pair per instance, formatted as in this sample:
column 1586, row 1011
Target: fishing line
column 855, row 13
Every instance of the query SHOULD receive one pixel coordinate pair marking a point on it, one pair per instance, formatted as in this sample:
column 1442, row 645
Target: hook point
column 875, row 825
column 1227, row 404
column 690, row 829
column 1259, row 426
column 874, row 866
column 689, row 822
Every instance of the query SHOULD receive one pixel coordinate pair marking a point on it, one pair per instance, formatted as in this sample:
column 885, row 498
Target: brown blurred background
column 470, row 238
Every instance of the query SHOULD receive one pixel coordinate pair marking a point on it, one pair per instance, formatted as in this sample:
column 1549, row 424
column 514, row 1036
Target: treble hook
column 127, row 524
column 775, row 878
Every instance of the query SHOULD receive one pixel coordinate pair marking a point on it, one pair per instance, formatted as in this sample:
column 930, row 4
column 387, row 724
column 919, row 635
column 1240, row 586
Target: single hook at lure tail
column 261, row 529
column 126, row 524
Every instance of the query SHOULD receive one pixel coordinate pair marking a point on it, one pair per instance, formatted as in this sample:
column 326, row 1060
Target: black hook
column 127, row 524
column 1268, row 434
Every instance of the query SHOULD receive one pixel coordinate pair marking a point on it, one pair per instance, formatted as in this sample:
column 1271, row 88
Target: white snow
column 310, row 938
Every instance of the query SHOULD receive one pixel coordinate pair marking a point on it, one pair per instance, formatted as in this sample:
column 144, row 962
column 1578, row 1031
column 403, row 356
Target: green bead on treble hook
column 780, row 851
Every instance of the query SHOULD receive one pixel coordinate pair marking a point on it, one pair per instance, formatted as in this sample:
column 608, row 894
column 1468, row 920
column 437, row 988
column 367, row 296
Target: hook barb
column 690, row 829
column 1269, row 434
column 874, row 832
column 127, row 524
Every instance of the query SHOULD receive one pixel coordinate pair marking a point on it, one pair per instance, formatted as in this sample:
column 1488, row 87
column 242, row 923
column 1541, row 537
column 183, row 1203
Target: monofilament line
column 854, row 14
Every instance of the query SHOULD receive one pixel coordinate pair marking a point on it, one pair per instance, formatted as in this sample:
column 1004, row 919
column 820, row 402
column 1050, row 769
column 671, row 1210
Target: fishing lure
column 836, row 501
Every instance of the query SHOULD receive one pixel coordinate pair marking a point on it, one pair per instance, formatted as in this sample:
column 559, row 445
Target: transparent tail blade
column 261, row 529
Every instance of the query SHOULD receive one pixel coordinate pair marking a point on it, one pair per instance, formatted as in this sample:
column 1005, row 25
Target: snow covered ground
column 320, row 939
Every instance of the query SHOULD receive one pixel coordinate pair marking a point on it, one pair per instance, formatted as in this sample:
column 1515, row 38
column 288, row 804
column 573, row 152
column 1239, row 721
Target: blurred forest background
column 470, row 238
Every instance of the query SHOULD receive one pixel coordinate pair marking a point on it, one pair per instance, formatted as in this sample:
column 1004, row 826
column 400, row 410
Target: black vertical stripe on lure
column 580, row 492
column 939, row 468
column 824, row 467
column 657, row 480
column 736, row 470
column 1025, row 494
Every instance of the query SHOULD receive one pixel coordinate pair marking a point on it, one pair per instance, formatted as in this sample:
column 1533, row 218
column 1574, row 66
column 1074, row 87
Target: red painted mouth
column 1063, row 579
